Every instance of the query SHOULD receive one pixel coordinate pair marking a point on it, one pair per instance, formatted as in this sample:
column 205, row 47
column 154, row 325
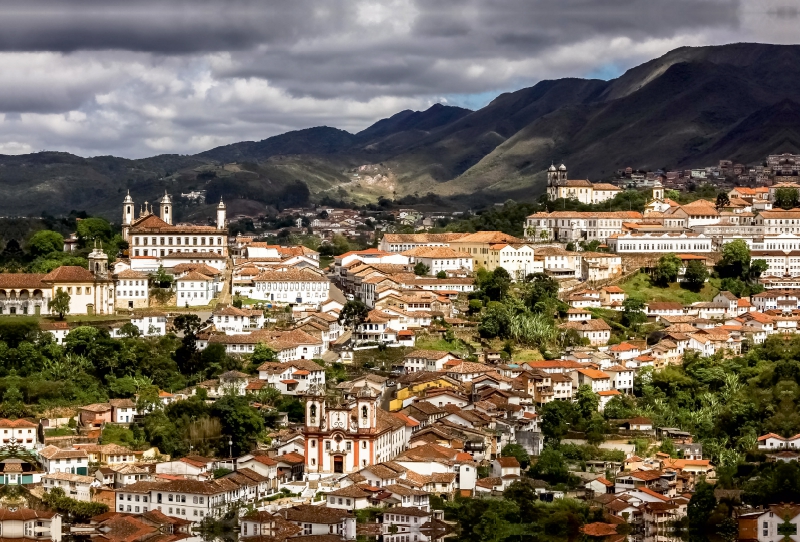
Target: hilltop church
column 560, row 186
column 154, row 241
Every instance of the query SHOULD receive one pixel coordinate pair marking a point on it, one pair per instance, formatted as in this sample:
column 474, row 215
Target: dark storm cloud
column 235, row 25
column 158, row 25
column 453, row 31
column 135, row 77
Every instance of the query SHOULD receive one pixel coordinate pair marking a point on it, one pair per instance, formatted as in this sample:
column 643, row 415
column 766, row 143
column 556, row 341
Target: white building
column 234, row 321
column 20, row 431
column 55, row 459
column 192, row 500
column 597, row 380
column 400, row 242
column 632, row 243
column 194, row 290
column 566, row 226
column 75, row 486
column 24, row 523
column 132, row 290
column 294, row 377
column 287, row 285
column 426, row 360
column 438, row 259
column 151, row 323
column 621, row 378
column 288, row 345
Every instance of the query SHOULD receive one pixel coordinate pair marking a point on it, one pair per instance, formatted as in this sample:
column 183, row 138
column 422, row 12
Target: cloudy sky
column 135, row 78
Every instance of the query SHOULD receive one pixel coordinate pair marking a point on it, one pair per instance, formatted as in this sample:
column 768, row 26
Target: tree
column 596, row 429
column 239, row 421
column 495, row 321
column 633, row 313
column 525, row 496
column 787, row 197
column 735, row 261
column 59, row 304
column 475, row 306
column 551, row 465
column 44, row 242
column 758, row 267
column 441, row 275
column 722, row 200
column 214, row 356
column 696, row 274
column 189, row 324
column 186, row 354
column 13, row 405
column 494, row 284
column 701, row 505
column 591, row 246
column 540, row 291
column 667, row 269
column 420, row 269
column 587, row 402
column 353, row 313
column 237, row 301
column 74, row 510
column 129, row 330
column 262, row 354
column 91, row 229
column 556, row 417
column 518, row 452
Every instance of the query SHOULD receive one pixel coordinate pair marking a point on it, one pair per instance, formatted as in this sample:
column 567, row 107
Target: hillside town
column 388, row 391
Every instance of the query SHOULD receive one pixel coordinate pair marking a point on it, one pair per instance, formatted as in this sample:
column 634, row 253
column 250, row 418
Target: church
column 560, row 186
column 155, row 241
column 347, row 437
column 91, row 291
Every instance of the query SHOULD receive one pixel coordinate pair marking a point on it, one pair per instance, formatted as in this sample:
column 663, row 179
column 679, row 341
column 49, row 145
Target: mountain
column 690, row 107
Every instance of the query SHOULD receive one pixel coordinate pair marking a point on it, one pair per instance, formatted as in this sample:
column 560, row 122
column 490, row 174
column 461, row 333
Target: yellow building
column 491, row 249
column 422, row 382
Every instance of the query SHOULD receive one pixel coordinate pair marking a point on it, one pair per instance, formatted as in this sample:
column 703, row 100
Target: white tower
column 552, row 175
column 315, row 411
column 367, row 408
column 127, row 210
column 127, row 215
column 562, row 172
column 166, row 208
column 658, row 191
column 221, row 215
column 98, row 262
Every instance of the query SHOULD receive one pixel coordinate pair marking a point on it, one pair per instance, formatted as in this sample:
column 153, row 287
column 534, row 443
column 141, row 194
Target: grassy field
column 435, row 343
column 528, row 355
column 640, row 286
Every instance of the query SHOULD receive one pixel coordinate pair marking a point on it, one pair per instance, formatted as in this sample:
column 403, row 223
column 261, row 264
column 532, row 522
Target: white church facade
column 90, row 290
column 155, row 241
column 560, row 186
column 345, row 438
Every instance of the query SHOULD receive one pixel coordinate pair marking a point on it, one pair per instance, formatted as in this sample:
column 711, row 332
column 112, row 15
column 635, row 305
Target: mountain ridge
column 689, row 107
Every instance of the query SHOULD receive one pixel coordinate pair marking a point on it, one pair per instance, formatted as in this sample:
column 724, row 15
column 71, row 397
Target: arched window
column 313, row 411
column 364, row 412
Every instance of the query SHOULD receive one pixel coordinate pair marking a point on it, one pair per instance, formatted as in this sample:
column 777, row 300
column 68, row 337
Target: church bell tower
column 221, row 221
column 367, row 409
column 166, row 208
column 127, row 215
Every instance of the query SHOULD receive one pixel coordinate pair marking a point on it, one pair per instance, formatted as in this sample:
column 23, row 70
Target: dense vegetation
column 38, row 246
column 37, row 375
